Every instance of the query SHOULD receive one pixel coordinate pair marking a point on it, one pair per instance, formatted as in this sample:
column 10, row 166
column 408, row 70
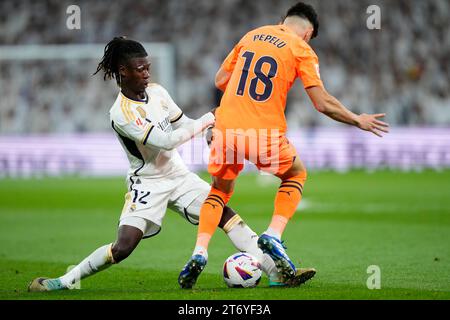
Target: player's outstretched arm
column 168, row 141
column 222, row 79
column 186, row 121
column 148, row 134
column 330, row 106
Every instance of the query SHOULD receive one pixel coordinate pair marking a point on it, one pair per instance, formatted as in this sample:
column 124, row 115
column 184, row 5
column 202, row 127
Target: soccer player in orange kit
column 256, row 77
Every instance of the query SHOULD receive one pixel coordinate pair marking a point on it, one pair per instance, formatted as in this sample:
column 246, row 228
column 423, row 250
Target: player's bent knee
column 298, row 173
column 127, row 240
column 225, row 186
column 120, row 251
column 302, row 175
column 297, row 170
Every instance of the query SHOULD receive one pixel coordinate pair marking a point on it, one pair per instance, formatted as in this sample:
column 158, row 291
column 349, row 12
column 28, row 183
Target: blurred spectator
column 402, row 69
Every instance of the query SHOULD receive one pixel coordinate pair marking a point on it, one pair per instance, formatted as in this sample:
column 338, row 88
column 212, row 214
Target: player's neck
column 298, row 26
column 130, row 94
column 294, row 28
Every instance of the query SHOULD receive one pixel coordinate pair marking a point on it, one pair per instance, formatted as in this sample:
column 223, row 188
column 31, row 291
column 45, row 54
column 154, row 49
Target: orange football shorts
column 230, row 149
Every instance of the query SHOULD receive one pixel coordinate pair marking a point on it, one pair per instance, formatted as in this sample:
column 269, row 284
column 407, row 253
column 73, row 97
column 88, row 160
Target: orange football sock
column 286, row 202
column 210, row 215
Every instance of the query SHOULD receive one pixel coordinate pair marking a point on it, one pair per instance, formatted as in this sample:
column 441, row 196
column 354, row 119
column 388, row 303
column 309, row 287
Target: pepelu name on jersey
column 270, row 39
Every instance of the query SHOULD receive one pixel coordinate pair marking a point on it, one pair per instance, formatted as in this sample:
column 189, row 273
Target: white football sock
column 273, row 233
column 244, row 239
column 269, row 268
column 97, row 261
column 201, row 251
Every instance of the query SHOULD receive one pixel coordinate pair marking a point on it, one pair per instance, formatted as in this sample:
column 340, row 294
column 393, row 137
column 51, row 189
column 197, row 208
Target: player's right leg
column 224, row 175
column 210, row 215
column 127, row 240
column 293, row 175
column 211, row 211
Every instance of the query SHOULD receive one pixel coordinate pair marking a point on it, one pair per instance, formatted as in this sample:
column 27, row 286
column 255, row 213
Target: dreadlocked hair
column 118, row 51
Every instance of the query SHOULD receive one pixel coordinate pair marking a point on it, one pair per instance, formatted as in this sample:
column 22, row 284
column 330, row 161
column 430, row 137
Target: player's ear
column 122, row 70
column 308, row 35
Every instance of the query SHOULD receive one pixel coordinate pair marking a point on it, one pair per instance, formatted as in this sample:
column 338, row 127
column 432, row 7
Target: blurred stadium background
column 47, row 87
column 54, row 114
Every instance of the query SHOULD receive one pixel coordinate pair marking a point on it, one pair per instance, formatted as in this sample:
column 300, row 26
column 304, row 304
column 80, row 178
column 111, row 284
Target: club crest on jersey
column 163, row 105
column 141, row 112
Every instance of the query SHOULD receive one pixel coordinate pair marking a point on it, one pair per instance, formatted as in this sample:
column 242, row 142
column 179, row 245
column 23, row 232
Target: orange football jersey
column 263, row 66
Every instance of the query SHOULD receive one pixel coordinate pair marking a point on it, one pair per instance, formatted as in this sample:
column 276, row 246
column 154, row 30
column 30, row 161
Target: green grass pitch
column 346, row 223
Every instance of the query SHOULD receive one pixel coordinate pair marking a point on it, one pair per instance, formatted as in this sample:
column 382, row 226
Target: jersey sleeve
column 230, row 61
column 175, row 113
column 132, row 126
column 308, row 67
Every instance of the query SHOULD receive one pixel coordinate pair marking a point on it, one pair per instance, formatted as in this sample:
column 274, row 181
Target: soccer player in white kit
column 149, row 126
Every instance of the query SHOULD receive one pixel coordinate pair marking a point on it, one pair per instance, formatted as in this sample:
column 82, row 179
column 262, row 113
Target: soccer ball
column 242, row 270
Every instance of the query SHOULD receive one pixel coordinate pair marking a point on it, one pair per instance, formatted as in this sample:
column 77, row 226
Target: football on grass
column 242, row 270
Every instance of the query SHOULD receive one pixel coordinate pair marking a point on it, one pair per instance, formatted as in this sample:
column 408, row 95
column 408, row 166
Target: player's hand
column 370, row 122
column 209, row 135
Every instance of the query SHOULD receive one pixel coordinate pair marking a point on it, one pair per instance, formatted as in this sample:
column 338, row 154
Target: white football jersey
column 133, row 121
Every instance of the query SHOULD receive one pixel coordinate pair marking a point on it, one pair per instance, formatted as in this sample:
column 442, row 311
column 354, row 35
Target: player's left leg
column 286, row 165
column 141, row 218
column 288, row 197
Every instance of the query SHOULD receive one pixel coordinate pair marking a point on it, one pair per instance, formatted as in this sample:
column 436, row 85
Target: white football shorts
column 147, row 202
